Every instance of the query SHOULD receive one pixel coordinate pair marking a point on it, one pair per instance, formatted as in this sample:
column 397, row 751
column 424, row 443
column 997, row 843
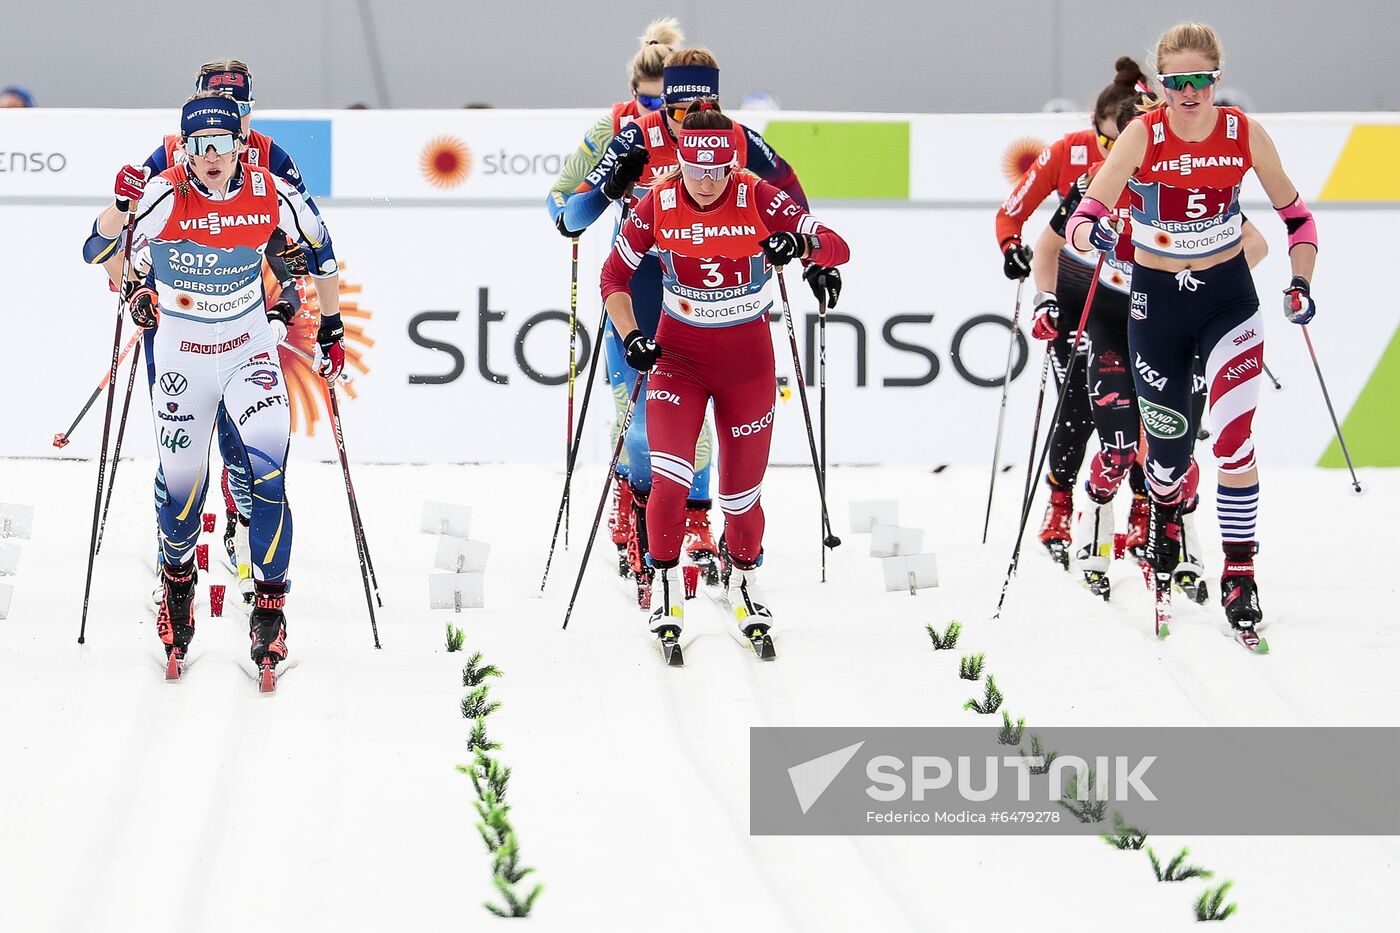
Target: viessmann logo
column 215, row 222
column 1189, row 164
column 698, row 233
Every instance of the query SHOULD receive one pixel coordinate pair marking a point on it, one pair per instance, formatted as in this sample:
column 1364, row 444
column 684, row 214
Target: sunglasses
column 700, row 172
column 649, row 102
column 221, row 143
column 245, row 107
column 1181, row 80
column 1107, row 142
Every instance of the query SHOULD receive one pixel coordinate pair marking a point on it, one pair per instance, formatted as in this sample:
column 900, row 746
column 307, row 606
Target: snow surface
column 130, row 804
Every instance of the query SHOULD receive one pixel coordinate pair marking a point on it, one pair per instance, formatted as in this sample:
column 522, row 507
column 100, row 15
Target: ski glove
column 1045, row 325
column 642, row 351
column 825, row 282
column 328, row 340
column 142, row 304
column 783, row 247
column 294, row 258
column 129, row 186
column 1016, row 260
column 278, row 317
column 1298, row 305
column 1103, row 235
column 626, row 173
column 564, row 231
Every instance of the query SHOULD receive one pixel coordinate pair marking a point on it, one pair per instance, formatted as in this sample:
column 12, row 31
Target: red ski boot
column 175, row 618
column 699, row 545
column 1054, row 530
column 267, row 630
column 620, row 522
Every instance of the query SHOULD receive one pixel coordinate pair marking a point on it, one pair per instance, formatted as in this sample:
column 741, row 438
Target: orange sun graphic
column 446, row 162
column 184, row 301
column 1020, row 155
column 306, row 390
column 1162, row 239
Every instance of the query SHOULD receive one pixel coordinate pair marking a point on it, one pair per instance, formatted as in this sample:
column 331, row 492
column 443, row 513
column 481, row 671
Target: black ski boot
column 1164, row 534
column 175, row 618
column 1239, row 594
column 267, row 626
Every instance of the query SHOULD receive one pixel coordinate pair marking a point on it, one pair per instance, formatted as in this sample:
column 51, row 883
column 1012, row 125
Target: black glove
column 1016, row 259
column 783, row 248
column 642, row 351
column 1298, row 305
column 626, row 172
column 328, row 338
column 295, row 259
column 825, row 282
column 279, row 316
column 142, row 304
column 563, row 230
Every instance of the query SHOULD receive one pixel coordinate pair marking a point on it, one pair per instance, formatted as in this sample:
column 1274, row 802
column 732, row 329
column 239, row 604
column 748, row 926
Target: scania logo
column 172, row 383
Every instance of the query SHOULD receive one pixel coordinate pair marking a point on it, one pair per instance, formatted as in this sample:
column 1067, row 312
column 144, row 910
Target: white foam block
column 456, row 591
column 446, row 518
column 16, row 521
column 866, row 515
column 460, row 555
column 9, row 558
column 6, row 593
column 894, row 541
column 910, row 572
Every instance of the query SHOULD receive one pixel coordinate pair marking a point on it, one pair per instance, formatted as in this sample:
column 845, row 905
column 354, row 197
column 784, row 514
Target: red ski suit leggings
column 733, row 366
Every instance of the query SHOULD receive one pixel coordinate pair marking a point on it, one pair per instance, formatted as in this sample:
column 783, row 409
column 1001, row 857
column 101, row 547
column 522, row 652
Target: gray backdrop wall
column 1011, row 55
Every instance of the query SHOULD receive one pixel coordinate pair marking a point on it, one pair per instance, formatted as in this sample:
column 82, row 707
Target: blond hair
column 695, row 56
column 220, row 65
column 660, row 40
column 1186, row 37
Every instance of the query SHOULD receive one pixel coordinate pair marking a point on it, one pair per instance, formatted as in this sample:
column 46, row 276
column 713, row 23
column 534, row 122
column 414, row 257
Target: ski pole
column 1045, row 451
column 829, row 539
column 1272, row 378
column 1326, row 397
column 603, row 499
column 361, row 548
column 129, row 232
column 821, row 396
column 62, row 438
column 578, row 439
column 1035, row 428
column 1001, row 413
column 117, row 448
column 573, row 371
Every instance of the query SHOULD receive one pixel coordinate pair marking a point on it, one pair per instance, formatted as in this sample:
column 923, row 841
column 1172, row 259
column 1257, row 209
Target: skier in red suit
column 720, row 230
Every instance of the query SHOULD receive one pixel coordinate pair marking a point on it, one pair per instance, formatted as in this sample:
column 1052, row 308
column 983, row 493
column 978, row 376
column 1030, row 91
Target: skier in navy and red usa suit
column 717, row 231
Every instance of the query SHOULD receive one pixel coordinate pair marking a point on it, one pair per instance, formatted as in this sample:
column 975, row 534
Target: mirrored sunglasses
column 1181, row 80
column 699, row 172
column 221, row 143
column 649, row 102
column 678, row 112
column 245, row 107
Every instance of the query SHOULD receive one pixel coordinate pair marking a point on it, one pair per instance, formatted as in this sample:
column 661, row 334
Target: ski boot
column 751, row 611
column 1189, row 575
column 620, row 522
column 637, row 566
column 668, row 613
column 1054, row 530
column 1239, row 594
column 699, row 545
column 1094, row 536
column 267, row 632
column 1135, row 541
column 175, row 619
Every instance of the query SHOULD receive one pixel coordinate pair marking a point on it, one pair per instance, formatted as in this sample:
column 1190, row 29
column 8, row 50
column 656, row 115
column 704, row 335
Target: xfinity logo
column 215, row 222
column 1248, row 366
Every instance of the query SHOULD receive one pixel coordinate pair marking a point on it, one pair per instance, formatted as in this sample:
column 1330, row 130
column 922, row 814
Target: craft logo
column 305, row 389
column 172, row 383
column 1020, row 156
column 446, row 162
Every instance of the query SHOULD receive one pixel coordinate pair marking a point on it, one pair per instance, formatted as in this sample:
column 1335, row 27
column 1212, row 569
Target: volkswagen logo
column 172, row 383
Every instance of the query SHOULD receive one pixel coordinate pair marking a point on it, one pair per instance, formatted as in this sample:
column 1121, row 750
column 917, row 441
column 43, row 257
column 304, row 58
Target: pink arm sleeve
column 1088, row 212
column 1299, row 221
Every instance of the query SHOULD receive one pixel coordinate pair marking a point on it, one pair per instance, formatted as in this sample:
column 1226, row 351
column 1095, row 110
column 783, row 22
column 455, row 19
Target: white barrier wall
column 465, row 287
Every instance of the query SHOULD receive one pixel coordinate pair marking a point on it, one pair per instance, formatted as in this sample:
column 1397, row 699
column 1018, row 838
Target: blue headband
column 19, row 92
column 685, row 83
column 210, row 113
column 235, row 84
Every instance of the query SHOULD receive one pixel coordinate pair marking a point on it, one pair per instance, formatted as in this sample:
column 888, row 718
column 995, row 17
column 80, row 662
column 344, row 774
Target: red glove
column 1046, row 326
column 332, row 356
column 129, row 186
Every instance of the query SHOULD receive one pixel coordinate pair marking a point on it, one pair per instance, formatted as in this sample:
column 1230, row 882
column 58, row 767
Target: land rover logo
column 1161, row 422
column 172, row 383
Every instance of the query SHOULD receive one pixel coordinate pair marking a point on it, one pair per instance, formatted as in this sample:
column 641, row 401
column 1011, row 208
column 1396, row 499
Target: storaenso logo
column 1160, row 421
column 32, row 163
